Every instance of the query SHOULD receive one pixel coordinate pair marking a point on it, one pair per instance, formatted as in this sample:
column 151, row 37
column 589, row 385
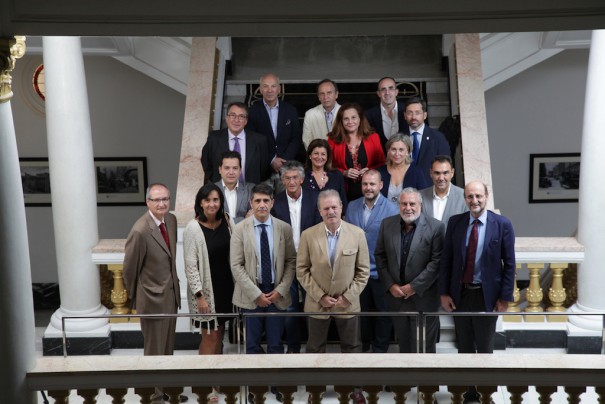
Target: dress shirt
column 242, row 146
column 439, row 203
column 273, row 114
column 480, row 243
column 332, row 241
column 257, row 232
column 295, row 208
column 367, row 211
column 230, row 199
column 155, row 219
column 390, row 126
column 329, row 118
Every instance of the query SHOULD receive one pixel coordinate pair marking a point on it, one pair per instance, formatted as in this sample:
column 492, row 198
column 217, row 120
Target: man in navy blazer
column 382, row 116
column 277, row 121
column 299, row 210
column 489, row 281
column 253, row 147
column 430, row 142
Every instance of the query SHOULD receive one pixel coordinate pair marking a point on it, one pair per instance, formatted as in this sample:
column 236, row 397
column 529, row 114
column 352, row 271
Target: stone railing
column 117, row 374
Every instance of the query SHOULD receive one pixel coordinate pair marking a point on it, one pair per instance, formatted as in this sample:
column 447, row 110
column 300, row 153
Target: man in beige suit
column 333, row 266
column 319, row 120
column 263, row 261
column 150, row 271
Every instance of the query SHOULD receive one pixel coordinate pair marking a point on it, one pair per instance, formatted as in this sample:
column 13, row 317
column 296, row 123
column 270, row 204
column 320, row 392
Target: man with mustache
column 407, row 255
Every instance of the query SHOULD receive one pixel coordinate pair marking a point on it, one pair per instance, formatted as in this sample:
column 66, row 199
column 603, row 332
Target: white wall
column 537, row 111
column 131, row 116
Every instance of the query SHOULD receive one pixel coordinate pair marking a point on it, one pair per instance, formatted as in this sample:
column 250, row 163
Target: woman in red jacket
column 355, row 147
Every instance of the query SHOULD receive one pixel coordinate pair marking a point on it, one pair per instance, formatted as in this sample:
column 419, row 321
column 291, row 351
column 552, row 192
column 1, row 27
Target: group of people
column 345, row 233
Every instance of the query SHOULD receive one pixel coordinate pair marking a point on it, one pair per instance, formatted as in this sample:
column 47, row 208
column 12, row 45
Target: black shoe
column 166, row 397
column 471, row 397
column 183, row 399
column 250, row 398
column 278, row 396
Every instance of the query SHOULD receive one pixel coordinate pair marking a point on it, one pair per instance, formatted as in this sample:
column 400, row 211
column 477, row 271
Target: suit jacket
column 412, row 178
column 374, row 117
column 422, row 264
column 288, row 141
column 497, row 259
column 315, row 126
column 455, row 203
column 433, row 144
column 309, row 213
column 149, row 266
column 257, row 157
column 349, row 275
column 245, row 263
column 382, row 208
column 244, row 192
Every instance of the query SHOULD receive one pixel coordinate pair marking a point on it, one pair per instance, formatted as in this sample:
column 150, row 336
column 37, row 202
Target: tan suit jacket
column 315, row 126
column 149, row 266
column 349, row 275
column 245, row 263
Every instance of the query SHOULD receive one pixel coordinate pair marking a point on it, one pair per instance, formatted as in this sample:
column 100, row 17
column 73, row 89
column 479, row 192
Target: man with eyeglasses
column 387, row 117
column 250, row 145
column 150, row 273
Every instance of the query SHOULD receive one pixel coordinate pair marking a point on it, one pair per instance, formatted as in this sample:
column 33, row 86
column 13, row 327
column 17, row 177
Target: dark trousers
column 348, row 332
column 375, row 331
column 295, row 325
column 474, row 334
column 273, row 327
column 406, row 328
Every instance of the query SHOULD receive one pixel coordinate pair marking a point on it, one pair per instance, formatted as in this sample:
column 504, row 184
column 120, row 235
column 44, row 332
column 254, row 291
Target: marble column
column 18, row 334
column 591, row 220
column 73, row 189
column 473, row 120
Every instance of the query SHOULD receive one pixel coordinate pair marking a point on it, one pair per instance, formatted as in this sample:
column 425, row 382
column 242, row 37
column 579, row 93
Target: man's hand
column 501, row 305
column 407, row 291
column 262, row 301
column 277, row 163
column 327, row 301
column 273, row 296
column 342, row 302
column 447, row 303
column 396, row 290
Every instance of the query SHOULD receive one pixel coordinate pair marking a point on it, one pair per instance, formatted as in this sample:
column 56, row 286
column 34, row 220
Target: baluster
column 373, row 392
column 574, row 394
column 486, row 393
column 288, row 393
column 202, row 393
column 60, row 396
column 315, row 393
column 534, row 294
column 173, row 393
column 556, row 293
column 400, row 393
column 516, row 394
column 457, row 393
column 545, row 393
column 119, row 295
column 427, row 393
column 117, row 395
column 231, row 393
column 145, row 393
column 513, row 307
column 343, row 393
column 89, row 395
column 600, row 393
column 259, row 393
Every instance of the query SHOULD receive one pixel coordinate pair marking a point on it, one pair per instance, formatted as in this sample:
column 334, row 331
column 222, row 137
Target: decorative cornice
column 11, row 49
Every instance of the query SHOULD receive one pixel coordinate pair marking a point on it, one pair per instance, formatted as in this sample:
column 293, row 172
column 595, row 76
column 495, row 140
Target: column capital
column 11, row 49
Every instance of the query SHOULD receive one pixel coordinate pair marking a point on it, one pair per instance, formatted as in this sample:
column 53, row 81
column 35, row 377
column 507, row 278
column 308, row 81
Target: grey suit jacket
column 149, row 266
column 455, row 203
column 422, row 265
column 245, row 263
column 244, row 192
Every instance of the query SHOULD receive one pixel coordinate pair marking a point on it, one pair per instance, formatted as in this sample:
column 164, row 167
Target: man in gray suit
column 237, row 193
column 443, row 200
column 407, row 255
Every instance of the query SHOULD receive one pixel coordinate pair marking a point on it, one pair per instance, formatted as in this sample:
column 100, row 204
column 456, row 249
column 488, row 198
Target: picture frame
column 554, row 177
column 119, row 181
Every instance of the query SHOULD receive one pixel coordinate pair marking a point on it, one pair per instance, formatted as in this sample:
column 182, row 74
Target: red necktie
column 165, row 234
column 471, row 253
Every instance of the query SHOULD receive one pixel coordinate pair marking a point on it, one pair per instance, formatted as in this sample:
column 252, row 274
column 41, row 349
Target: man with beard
column 407, row 254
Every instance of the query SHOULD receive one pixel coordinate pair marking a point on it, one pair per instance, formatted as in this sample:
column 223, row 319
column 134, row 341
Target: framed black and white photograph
column 121, row 181
column 554, row 177
column 35, row 178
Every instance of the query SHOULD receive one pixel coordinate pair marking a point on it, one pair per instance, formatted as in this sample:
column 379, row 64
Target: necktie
column 265, row 260
column 165, row 234
column 415, row 147
column 236, row 148
column 471, row 253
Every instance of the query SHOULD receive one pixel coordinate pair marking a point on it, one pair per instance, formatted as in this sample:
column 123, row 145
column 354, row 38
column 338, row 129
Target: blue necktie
column 415, row 147
column 265, row 260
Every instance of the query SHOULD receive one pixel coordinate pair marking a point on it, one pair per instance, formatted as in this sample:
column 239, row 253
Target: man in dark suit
column 443, row 199
column 237, row 193
column 407, row 253
column 427, row 142
column 477, row 269
column 150, row 272
column 278, row 121
column 299, row 210
column 387, row 117
column 251, row 146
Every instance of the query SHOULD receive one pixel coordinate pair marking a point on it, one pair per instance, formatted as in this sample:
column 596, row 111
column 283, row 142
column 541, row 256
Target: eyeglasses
column 159, row 200
column 236, row 117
